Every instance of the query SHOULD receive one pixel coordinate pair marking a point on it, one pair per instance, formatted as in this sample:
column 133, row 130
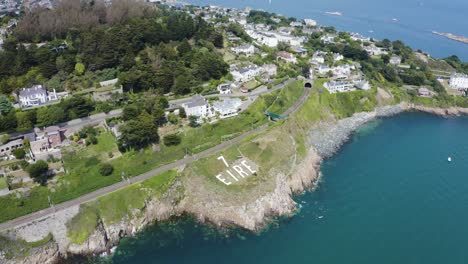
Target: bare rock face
column 444, row 112
column 48, row 254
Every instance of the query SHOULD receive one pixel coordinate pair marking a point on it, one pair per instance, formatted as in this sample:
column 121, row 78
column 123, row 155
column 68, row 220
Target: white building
column 339, row 86
column 112, row 82
column 338, row 57
column 246, row 73
column 244, row 49
column 347, row 86
column 310, row 22
column 228, row 107
column 362, row 85
column 317, row 59
column 459, row 81
column 395, row 60
column 286, row 56
column 35, row 96
column 323, row 69
column 198, row 106
column 295, row 24
column 224, row 88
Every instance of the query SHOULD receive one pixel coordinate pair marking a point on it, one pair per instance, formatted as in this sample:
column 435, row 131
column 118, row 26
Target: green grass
column 115, row 206
column 83, row 174
column 3, row 183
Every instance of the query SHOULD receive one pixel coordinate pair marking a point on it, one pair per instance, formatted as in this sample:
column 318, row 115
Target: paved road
column 111, row 188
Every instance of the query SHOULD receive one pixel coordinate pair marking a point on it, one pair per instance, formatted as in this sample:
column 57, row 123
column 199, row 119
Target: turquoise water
column 374, row 18
column 389, row 196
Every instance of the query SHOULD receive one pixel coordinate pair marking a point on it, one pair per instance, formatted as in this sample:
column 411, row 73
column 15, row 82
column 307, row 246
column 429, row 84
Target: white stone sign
column 240, row 169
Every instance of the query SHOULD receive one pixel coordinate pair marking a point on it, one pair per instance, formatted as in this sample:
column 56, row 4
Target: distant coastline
column 335, row 13
column 452, row 36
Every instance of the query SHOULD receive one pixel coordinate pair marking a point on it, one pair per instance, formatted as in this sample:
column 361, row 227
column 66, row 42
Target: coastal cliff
column 193, row 194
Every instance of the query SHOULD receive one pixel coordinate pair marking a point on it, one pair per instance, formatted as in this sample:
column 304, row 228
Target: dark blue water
column 389, row 196
column 374, row 18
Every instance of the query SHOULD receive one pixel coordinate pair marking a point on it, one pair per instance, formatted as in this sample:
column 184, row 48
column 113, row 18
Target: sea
column 409, row 20
column 389, row 196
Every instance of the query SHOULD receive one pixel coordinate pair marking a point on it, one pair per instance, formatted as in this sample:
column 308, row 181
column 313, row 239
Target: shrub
column 38, row 171
column 106, row 169
column 19, row 153
column 172, row 140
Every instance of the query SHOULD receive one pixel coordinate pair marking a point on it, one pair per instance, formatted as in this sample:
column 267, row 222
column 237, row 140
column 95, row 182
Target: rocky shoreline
column 324, row 140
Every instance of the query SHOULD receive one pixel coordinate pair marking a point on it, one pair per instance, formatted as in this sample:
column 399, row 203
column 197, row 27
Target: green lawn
column 82, row 166
column 3, row 183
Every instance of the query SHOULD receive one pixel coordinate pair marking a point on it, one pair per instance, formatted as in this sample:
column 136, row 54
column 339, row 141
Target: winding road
column 112, row 188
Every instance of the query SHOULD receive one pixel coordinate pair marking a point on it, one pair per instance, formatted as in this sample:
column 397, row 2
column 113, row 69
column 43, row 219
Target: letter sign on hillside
column 242, row 169
column 224, row 160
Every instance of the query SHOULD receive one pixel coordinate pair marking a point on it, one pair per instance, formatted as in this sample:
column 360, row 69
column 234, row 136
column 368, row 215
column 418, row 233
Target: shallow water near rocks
column 388, row 196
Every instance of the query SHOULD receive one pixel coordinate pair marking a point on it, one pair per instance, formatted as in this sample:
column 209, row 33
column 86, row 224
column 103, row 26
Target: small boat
column 449, row 159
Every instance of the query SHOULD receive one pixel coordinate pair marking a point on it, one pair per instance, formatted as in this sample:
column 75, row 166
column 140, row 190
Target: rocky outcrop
column 444, row 112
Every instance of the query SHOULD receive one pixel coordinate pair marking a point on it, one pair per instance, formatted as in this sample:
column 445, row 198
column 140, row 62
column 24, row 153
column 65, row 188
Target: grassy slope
column 3, row 183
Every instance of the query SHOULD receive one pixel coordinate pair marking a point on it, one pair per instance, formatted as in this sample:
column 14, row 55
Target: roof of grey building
column 197, row 100
column 33, row 91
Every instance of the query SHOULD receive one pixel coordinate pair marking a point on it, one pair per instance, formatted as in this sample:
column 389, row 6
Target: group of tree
column 17, row 120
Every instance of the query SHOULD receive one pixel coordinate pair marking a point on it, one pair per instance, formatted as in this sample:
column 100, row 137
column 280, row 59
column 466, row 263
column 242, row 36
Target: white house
column 323, row 69
column 228, row 107
column 244, row 49
column 295, row 24
column 109, row 82
column 459, row 81
column 246, row 73
column 317, row 59
column 224, row 88
column 286, row 56
column 395, row 60
column 339, row 86
column 310, row 22
column 362, row 85
column 198, row 106
column 35, row 96
column 338, row 57
column 269, row 40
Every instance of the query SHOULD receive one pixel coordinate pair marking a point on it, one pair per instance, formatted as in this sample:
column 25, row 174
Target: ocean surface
column 389, row 196
column 409, row 20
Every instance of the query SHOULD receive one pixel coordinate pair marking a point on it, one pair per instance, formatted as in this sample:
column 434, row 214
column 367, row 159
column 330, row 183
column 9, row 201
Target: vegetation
column 38, row 171
column 106, row 169
column 172, row 140
column 113, row 207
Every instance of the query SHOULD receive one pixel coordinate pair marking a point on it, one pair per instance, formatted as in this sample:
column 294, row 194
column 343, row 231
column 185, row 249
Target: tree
column 24, row 121
column 79, row 68
column 182, row 113
column 173, row 119
column 106, row 169
column 19, row 153
column 172, row 140
column 139, row 133
column 38, row 171
column 184, row 47
column 130, row 112
column 193, row 121
column 5, row 105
